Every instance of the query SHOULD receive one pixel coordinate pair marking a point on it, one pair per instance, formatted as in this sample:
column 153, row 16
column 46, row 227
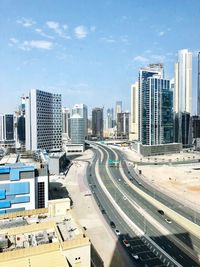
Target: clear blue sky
column 90, row 51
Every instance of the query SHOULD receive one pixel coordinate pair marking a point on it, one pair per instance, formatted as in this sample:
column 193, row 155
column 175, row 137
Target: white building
column 43, row 121
column 23, row 187
column 183, row 82
column 183, row 98
column 81, row 109
column 134, row 112
column 198, row 86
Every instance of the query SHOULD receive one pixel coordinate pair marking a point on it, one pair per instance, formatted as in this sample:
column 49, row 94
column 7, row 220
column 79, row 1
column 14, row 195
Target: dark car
column 161, row 212
column 112, row 224
column 103, row 211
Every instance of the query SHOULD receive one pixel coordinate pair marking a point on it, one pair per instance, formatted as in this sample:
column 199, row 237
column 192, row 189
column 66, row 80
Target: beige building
column 109, row 133
column 43, row 237
column 133, row 135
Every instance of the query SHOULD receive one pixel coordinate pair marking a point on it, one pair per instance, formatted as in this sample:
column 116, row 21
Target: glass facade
column 183, row 128
column 144, row 108
column 77, row 129
column 21, row 129
column 157, row 110
column 9, row 123
column 97, row 122
column 15, row 192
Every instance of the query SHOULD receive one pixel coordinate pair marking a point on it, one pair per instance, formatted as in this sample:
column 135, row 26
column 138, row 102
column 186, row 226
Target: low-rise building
column 58, row 162
column 44, row 237
column 23, row 187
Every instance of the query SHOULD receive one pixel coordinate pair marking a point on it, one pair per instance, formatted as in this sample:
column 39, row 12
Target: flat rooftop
column 38, row 239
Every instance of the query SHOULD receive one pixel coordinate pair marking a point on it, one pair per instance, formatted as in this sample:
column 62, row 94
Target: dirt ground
column 182, row 182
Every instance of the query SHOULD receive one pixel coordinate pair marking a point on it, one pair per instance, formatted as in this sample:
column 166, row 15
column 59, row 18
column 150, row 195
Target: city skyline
column 71, row 50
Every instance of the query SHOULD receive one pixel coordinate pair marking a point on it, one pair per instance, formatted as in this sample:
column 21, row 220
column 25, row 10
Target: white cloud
column 26, row 22
column 161, row 33
column 80, row 32
column 42, row 33
column 53, row 25
column 140, row 59
column 109, row 39
column 60, row 30
column 14, row 40
column 39, row 44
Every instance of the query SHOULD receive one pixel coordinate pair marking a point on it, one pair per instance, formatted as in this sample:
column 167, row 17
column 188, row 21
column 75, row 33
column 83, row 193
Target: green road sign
column 110, row 161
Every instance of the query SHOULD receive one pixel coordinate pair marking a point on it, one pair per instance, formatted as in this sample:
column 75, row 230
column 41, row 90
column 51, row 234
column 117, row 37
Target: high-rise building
column 21, row 129
column 198, row 86
column 97, row 122
column 123, row 120
column 81, row 109
column 19, row 122
column 183, row 128
column 109, row 118
column 7, row 138
column 133, row 135
column 43, row 121
column 118, row 108
column 77, row 129
column 183, row 82
column 183, row 98
column 159, row 112
column 196, row 130
column 143, row 98
column 66, row 122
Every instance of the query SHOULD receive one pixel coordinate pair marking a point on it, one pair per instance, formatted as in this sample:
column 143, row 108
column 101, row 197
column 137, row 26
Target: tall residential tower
column 144, row 107
column 43, row 121
column 81, row 109
column 183, row 82
column 133, row 135
column 198, row 86
column 183, row 98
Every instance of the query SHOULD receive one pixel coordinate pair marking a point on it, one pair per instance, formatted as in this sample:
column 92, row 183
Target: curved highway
column 120, row 191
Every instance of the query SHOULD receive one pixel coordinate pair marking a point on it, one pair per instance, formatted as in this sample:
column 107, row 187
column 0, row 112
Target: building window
column 41, row 195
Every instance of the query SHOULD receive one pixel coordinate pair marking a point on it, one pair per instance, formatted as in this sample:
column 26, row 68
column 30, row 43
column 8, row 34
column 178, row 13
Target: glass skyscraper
column 159, row 115
column 143, row 98
column 97, row 122
column 155, row 107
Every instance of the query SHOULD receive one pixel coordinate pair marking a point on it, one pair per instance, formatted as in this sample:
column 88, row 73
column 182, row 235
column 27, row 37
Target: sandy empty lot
column 179, row 181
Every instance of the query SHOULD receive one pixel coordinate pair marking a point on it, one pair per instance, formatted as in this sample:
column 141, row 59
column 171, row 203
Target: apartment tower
column 43, row 121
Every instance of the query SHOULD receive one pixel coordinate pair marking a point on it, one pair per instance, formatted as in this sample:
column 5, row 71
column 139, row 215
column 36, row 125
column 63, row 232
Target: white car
column 136, row 257
column 168, row 220
column 117, row 232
